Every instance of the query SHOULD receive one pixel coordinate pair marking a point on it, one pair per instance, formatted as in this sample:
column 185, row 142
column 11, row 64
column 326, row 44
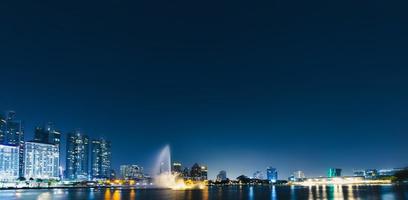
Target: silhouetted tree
column 243, row 179
column 401, row 175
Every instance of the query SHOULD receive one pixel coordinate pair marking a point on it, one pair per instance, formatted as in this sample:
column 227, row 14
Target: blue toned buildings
column 367, row 173
column 334, row 172
column 12, row 133
column 9, row 163
column 41, row 161
column 100, row 159
column 389, row 172
column 272, row 174
column 297, row 176
column 77, row 167
column 47, row 134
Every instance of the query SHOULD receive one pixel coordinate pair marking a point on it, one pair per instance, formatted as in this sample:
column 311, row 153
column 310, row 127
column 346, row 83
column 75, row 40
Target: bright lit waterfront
column 226, row 192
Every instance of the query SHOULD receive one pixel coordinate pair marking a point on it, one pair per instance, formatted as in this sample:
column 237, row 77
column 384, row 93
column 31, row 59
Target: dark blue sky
column 236, row 85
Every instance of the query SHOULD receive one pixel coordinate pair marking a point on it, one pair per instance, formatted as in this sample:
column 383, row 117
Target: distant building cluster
column 195, row 173
column 131, row 172
column 334, row 176
column 258, row 177
column 375, row 173
column 40, row 158
column 297, row 176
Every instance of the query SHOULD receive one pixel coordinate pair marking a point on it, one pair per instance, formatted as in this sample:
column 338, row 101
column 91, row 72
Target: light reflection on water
column 91, row 193
column 350, row 193
column 331, row 192
column 205, row 195
column 107, row 194
column 273, row 193
column 132, row 194
column 44, row 196
column 292, row 192
column 116, row 195
column 251, row 192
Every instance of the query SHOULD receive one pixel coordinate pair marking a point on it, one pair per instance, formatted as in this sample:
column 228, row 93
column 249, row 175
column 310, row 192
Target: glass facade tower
column 77, row 156
column 272, row 174
column 100, row 159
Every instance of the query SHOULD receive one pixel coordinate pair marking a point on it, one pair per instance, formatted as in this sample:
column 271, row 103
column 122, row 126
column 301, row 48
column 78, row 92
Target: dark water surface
column 229, row 193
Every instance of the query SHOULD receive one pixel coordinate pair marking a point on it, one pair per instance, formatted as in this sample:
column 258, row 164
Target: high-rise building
column 199, row 173
column 222, row 176
column 3, row 124
column 12, row 133
column 186, row 173
column 272, row 174
column 131, row 172
column 47, row 134
column 195, row 172
column 204, row 172
column 100, row 159
column 9, row 158
column 77, row 156
column 334, row 172
column 177, row 168
column 41, row 161
column 112, row 174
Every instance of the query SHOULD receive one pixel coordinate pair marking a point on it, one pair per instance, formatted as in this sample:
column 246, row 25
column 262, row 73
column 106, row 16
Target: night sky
column 239, row 86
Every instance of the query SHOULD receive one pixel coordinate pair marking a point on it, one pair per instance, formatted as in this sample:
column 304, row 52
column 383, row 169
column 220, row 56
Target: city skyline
column 236, row 86
column 49, row 137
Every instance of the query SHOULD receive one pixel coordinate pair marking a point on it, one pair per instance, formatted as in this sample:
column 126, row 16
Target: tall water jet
column 163, row 162
column 163, row 176
column 162, row 169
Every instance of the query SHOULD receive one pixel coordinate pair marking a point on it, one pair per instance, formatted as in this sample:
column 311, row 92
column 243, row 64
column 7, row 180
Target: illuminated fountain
column 164, row 178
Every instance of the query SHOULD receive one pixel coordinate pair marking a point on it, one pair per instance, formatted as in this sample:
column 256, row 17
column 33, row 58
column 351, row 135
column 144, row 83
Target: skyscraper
column 47, row 134
column 204, row 172
column 41, row 161
column 2, row 128
column 100, row 159
column 186, row 173
column 272, row 174
column 199, row 173
column 8, row 163
column 77, row 156
column 12, row 133
column 177, row 168
column 334, row 172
